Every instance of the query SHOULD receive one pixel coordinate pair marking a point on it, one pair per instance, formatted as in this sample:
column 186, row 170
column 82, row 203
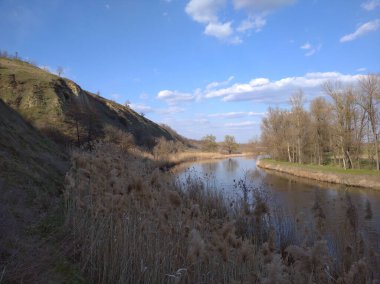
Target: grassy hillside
column 62, row 110
column 32, row 171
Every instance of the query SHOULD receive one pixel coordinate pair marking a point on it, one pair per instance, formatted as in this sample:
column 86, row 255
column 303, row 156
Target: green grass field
column 325, row 168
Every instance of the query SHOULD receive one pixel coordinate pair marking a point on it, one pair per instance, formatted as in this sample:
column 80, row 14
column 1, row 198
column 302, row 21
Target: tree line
column 229, row 144
column 341, row 127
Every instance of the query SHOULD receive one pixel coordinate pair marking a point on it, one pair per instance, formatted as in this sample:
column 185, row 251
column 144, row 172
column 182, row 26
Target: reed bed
column 129, row 222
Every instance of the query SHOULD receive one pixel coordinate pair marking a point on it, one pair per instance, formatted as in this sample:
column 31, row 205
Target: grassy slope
column 31, row 181
column 352, row 177
column 46, row 100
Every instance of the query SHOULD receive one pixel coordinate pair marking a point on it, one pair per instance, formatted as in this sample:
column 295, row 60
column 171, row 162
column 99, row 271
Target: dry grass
column 130, row 223
column 173, row 159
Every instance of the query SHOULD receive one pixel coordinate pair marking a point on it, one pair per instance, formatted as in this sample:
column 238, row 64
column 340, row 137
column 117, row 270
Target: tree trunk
column 289, row 156
column 377, row 153
column 350, row 164
column 299, row 151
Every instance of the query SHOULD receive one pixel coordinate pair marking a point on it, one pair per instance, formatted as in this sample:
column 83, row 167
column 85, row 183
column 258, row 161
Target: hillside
column 59, row 107
column 31, row 182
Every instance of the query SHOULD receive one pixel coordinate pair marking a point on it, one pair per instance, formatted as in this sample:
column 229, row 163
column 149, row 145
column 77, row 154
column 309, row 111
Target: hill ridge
column 57, row 105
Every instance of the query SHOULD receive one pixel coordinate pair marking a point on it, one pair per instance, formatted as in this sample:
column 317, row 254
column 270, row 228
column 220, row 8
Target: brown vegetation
column 131, row 223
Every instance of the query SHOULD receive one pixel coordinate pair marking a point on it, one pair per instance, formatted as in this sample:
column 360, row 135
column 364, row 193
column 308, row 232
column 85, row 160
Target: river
column 295, row 196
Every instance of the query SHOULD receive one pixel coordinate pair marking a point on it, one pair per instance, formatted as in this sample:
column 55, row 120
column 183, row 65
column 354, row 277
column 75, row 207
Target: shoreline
column 349, row 179
column 192, row 157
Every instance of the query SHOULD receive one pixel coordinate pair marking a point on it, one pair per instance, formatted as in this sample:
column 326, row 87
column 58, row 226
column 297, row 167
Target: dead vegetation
column 131, row 223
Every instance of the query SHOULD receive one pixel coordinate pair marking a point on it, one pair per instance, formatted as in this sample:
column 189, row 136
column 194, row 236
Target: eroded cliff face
column 54, row 104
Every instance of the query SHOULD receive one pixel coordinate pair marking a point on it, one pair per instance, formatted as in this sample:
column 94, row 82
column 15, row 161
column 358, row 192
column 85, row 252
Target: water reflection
column 291, row 195
column 230, row 165
column 209, row 168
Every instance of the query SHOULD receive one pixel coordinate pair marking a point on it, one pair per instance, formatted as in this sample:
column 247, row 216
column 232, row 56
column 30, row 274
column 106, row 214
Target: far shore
column 192, row 157
column 358, row 178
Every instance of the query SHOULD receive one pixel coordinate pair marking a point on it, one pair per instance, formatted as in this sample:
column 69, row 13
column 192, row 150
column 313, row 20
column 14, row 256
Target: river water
column 295, row 196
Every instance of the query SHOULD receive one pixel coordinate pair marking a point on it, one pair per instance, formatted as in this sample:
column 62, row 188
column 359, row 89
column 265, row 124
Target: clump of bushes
column 122, row 139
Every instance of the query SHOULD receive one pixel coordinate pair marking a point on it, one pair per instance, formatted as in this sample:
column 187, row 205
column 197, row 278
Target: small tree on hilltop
column 229, row 144
column 60, row 71
column 209, row 143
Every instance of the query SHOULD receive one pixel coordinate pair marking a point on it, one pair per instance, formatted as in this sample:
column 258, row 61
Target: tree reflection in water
column 230, row 165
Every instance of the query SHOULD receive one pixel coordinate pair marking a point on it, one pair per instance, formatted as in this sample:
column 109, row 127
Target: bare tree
column 85, row 119
column 230, row 144
column 77, row 112
column 320, row 112
column 276, row 134
column 369, row 100
column 60, row 71
column 335, row 129
column 347, row 127
column 300, row 119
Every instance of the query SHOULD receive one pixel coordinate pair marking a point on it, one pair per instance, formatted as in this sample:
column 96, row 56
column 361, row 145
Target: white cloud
column 370, row 5
column 253, row 22
column 306, row 46
column 219, row 30
column 214, row 85
column 362, row 69
column 241, row 124
column 257, row 11
column 170, row 110
column 148, row 109
column 207, row 13
column 260, row 90
column 263, row 90
column 231, row 115
column 204, row 11
column 362, row 30
column 310, row 49
column 173, row 97
column 261, row 5
column 141, row 108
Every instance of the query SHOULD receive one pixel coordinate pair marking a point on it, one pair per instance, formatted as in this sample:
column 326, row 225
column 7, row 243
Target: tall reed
column 132, row 223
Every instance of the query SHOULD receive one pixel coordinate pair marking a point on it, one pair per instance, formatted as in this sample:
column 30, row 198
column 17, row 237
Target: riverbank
column 356, row 177
column 191, row 157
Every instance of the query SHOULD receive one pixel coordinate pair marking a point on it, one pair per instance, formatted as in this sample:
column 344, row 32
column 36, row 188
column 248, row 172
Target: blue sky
column 200, row 66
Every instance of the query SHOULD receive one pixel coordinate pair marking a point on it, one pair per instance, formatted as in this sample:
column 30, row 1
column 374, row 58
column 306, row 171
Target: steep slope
column 63, row 111
column 32, row 170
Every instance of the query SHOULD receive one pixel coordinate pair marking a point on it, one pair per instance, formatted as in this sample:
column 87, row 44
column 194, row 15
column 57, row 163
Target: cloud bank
column 264, row 90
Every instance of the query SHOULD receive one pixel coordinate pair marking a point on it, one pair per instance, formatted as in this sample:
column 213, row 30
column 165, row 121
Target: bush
column 121, row 138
